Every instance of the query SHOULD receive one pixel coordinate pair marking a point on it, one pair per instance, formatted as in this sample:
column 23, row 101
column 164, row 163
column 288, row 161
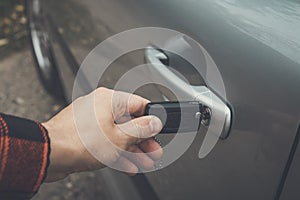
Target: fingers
column 123, row 119
column 135, row 159
column 139, row 129
column 152, row 148
column 139, row 158
column 130, row 104
column 123, row 164
column 119, row 103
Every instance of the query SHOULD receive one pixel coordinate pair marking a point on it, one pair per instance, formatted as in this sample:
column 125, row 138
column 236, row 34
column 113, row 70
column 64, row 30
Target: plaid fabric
column 24, row 157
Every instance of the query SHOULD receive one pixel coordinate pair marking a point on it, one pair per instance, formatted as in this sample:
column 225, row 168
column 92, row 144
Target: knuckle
column 141, row 131
column 101, row 90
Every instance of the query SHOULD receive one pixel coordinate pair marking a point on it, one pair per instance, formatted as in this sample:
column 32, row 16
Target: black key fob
column 177, row 117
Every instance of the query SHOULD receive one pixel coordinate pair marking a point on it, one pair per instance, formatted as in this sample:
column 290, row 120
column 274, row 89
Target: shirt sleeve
column 24, row 157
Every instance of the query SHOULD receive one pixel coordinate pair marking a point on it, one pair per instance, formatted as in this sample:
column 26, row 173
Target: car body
column 255, row 45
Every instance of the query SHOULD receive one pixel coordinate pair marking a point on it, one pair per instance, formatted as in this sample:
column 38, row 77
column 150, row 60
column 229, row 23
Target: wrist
column 61, row 156
column 68, row 154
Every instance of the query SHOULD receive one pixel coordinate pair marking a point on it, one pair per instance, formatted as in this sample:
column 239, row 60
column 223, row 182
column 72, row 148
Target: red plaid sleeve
column 24, row 157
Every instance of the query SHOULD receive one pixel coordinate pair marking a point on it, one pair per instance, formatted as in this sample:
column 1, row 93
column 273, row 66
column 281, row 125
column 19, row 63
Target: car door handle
column 218, row 112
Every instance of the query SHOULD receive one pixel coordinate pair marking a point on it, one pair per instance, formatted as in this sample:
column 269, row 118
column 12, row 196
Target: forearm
column 24, row 157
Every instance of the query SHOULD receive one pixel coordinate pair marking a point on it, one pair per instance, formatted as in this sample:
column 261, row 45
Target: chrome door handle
column 218, row 112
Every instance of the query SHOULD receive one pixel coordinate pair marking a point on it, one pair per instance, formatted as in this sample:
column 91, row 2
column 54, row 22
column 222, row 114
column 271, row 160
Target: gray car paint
column 256, row 45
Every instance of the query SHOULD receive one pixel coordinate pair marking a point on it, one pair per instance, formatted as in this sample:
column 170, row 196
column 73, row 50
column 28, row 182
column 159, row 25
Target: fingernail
column 155, row 125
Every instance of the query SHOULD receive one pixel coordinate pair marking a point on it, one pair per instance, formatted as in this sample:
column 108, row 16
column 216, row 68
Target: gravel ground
column 21, row 94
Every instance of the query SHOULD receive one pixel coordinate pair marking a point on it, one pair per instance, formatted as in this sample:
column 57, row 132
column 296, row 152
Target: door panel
column 289, row 187
column 257, row 61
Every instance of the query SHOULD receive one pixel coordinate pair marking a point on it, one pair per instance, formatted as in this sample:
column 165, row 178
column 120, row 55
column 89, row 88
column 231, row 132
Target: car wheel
column 42, row 49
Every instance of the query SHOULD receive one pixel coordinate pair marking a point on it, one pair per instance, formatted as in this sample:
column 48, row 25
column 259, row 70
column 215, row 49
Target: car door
column 255, row 46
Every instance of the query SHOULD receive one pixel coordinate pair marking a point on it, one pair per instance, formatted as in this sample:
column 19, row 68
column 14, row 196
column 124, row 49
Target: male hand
column 119, row 128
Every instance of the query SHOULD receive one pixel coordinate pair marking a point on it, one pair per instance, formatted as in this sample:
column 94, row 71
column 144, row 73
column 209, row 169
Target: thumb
column 141, row 128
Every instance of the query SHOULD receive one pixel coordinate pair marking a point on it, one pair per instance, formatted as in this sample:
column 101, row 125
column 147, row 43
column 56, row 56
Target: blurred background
column 22, row 94
column 13, row 32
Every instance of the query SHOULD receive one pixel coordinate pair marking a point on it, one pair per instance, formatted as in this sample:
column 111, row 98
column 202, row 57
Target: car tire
column 42, row 50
